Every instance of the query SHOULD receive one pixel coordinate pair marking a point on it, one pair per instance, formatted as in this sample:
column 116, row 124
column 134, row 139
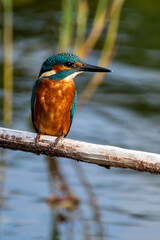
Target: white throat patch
column 70, row 77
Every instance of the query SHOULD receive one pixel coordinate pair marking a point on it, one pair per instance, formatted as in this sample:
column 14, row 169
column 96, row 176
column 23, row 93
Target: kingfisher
column 54, row 96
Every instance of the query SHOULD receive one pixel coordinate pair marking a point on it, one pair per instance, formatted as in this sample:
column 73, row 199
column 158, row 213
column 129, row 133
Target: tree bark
column 103, row 155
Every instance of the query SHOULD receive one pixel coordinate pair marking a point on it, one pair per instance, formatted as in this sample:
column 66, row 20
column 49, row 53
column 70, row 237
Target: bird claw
column 58, row 139
column 38, row 137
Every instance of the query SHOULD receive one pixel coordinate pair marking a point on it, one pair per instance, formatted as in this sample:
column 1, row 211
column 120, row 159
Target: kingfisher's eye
column 69, row 64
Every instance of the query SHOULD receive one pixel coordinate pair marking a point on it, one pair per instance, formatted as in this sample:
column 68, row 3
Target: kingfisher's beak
column 92, row 68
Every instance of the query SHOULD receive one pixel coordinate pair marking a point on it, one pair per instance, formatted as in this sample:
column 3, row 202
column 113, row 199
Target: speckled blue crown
column 59, row 59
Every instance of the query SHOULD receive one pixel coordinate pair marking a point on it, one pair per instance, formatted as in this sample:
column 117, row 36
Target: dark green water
column 124, row 111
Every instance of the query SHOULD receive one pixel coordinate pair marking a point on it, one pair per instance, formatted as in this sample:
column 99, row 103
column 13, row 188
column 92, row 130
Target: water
column 124, row 112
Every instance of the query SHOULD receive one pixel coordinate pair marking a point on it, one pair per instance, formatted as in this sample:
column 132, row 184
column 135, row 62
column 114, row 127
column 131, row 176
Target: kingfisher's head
column 63, row 65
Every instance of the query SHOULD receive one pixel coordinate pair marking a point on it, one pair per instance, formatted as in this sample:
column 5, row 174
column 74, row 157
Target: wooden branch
column 103, row 155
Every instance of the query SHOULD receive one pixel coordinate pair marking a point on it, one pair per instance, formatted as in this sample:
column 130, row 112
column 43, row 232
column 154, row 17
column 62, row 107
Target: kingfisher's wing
column 33, row 100
column 73, row 109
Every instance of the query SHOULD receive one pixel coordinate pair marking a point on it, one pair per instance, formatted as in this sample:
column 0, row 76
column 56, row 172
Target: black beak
column 92, row 68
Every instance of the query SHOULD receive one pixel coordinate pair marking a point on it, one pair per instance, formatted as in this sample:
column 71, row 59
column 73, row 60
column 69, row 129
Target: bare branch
column 103, row 155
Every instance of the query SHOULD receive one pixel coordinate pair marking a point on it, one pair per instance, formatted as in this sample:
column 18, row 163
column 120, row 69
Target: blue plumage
column 59, row 59
column 73, row 108
column 33, row 100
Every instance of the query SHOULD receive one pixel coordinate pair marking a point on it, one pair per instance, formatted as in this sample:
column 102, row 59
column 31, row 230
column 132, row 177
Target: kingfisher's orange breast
column 52, row 107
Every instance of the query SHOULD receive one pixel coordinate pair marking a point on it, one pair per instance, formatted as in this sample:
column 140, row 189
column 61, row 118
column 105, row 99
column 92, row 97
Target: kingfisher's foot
column 38, row 137
column 58, row 139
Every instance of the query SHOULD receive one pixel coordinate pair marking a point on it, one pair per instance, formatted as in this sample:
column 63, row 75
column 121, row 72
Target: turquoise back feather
column 73, row 108
column 33, row 100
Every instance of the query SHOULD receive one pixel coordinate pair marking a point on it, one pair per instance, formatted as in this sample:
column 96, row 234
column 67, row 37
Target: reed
column 98, row 25
column 66, row 31
column 82, row 14
column 8, row 62
column 107, row 52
